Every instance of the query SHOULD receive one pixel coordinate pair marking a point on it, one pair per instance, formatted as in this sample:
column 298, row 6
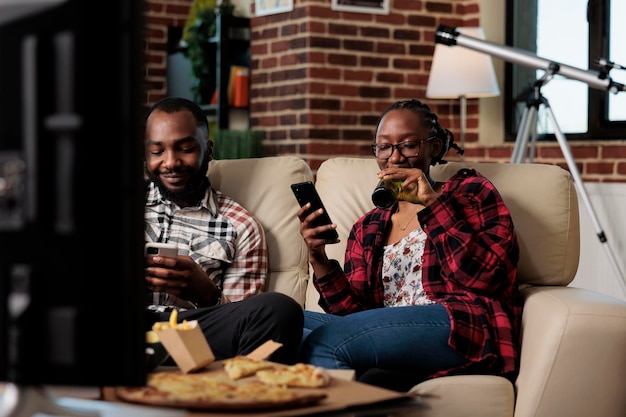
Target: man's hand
column 181, row 277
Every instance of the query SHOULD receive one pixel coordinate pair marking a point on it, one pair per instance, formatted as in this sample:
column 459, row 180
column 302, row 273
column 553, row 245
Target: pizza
column 298, row 375
column 214, row 391
column 242, row 366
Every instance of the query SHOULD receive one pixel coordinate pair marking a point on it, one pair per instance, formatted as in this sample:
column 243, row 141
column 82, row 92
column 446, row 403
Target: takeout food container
column 188, row 347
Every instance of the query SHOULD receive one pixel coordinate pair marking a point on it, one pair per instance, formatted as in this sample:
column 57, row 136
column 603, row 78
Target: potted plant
column 235, row 144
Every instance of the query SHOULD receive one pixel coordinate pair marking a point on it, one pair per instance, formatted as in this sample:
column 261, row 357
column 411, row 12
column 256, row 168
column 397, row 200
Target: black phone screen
column 305, row 192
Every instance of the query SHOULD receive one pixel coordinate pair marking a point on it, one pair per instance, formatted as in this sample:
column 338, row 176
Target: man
column 219, row 274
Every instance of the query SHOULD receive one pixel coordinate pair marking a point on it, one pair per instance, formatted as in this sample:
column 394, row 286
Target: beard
column 191, row 193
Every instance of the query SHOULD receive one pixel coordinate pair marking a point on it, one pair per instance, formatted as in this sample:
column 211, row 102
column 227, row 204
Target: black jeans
column 240, row 327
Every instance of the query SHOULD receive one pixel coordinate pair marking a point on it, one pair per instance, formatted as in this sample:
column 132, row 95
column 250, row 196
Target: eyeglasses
column 409, row 149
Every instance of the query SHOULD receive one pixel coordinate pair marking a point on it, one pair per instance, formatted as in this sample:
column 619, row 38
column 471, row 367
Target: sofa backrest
column 542, row 200
column 262, row 185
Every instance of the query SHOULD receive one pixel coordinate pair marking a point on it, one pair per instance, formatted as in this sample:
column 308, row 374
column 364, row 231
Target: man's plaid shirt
column 219, row 234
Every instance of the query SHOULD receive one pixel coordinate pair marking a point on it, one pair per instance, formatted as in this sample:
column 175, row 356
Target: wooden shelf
column 231, row 45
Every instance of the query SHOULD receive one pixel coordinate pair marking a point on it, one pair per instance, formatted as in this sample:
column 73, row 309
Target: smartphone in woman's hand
column 305, row 192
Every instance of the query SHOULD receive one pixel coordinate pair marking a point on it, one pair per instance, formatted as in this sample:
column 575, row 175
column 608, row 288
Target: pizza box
column 342, row 395
column 187, row 347
column 264, row 351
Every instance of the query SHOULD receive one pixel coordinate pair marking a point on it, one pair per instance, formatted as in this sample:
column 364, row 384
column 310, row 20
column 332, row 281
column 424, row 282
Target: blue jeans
column 412, row 337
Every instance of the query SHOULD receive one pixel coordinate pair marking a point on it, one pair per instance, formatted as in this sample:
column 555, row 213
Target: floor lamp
column 461, row 73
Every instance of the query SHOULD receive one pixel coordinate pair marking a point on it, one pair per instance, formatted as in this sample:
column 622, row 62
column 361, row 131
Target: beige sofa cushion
column 262, row 185
column 545, row 218
column 345, row 186
column 544, row 207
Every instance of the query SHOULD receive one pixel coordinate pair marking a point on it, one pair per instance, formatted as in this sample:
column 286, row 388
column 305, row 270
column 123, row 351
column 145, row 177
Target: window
column 576, row 33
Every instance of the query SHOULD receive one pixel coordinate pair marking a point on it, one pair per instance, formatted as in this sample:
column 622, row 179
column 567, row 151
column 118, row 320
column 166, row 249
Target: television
column 71, row 194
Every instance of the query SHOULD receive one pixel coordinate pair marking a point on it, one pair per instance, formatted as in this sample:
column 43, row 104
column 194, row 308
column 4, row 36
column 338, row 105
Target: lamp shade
column 461, row 72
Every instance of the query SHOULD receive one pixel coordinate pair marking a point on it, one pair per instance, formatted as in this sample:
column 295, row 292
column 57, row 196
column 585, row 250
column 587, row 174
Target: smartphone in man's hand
column 305, row 192
column 168, row 250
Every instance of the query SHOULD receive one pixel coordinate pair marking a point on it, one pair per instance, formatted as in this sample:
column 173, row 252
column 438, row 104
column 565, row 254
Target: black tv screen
column 71, row 193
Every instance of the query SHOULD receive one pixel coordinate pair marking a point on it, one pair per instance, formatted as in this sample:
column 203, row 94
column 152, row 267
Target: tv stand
column 26, row 401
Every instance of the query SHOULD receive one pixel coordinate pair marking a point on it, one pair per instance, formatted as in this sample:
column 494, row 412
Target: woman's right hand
column 311, row 235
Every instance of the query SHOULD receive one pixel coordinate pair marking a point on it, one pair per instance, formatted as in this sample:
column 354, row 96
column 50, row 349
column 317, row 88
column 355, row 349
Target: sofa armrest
column 572, row 337
column 467, row 395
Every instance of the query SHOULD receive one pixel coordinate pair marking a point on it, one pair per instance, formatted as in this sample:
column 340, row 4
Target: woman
column 428, row 285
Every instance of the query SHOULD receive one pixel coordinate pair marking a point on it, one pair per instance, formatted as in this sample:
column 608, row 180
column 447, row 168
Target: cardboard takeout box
column 188, row 347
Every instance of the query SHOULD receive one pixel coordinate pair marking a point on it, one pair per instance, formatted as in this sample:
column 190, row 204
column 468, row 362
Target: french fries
column 172, row 323
column 152, row 337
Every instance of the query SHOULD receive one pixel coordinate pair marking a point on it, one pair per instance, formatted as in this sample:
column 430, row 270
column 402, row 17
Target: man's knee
column 281, row 304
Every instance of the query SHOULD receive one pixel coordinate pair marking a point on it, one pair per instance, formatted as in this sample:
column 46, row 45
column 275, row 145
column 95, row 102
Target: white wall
column 595, row 270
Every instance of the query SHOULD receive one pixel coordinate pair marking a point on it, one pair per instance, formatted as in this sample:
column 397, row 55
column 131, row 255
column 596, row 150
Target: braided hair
column 430, row 119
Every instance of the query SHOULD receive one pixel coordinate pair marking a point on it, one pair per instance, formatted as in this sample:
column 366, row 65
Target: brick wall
column 320, row 79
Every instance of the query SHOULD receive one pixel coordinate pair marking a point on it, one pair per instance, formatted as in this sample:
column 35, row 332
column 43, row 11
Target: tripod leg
column 521, row 140
column 528, row 122
column 533, row 135
column 567, row 153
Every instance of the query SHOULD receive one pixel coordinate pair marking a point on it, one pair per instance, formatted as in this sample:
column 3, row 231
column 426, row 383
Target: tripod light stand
column 450, row 36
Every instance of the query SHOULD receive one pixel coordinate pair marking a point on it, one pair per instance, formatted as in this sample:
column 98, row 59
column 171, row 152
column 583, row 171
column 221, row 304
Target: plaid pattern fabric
column 219, row 234
column 469, row 266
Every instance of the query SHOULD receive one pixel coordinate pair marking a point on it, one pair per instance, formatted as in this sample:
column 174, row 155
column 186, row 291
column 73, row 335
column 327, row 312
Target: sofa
column 573, row 357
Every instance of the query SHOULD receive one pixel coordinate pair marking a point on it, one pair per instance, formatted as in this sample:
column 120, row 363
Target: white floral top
column 402, row 271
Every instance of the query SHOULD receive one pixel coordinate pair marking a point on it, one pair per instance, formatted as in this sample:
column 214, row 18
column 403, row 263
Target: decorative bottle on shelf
column 241, row 88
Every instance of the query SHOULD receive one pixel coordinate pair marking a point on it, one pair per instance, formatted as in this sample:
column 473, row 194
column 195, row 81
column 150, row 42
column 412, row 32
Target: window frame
column 525, row 11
